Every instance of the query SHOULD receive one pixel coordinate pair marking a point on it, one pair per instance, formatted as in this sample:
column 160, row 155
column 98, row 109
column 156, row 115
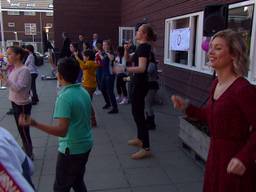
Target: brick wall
column 20, row 20
column 86, row 17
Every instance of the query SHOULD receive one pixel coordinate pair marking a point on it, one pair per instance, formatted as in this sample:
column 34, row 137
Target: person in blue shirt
column 108, row 78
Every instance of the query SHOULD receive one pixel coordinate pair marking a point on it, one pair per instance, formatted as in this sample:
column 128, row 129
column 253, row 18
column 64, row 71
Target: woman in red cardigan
column 231, row 117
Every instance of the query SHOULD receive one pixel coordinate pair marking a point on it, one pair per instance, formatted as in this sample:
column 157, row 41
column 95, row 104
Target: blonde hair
column 237, row 48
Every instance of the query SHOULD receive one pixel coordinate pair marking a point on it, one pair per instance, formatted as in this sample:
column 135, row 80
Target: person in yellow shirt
column 89, row 81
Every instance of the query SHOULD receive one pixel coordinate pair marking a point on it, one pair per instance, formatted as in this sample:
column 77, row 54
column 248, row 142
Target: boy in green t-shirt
column 73, row 112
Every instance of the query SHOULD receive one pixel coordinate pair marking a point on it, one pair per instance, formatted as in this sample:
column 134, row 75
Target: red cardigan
column 232, row 121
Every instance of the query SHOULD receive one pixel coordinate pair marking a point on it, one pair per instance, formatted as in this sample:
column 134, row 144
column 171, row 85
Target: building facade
column 185, row 71
column 86, row 17
column 24, row 21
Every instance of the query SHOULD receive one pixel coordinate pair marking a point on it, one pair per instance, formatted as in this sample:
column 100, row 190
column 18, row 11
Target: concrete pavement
column 109, row 168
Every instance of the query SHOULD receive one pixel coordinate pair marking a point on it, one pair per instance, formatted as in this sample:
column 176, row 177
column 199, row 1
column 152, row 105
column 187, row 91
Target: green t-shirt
column 74, row 103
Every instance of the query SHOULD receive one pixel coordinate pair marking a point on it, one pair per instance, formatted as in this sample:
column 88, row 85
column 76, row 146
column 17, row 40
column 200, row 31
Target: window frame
column 121, row 29
column 11, row 24
column 13, row 13
column 197, row 33
column 30, row 26
column 49, row 14
column 252, row 68
column 29, row 13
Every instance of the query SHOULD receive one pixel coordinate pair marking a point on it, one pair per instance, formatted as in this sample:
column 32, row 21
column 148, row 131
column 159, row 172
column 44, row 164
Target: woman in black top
column 140, row 60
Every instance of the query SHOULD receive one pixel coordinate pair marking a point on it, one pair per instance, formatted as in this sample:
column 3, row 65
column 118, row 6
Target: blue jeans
column 107, row 89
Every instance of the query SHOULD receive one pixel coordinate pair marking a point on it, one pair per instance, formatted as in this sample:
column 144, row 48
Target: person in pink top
column 19, row 83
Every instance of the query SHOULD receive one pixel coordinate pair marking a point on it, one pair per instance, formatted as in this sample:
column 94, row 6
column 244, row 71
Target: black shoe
column 10, row 112
column 113, row 111
column 106, row 106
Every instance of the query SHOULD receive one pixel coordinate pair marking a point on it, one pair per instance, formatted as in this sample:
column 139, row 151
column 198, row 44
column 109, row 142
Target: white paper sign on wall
column 180, row 39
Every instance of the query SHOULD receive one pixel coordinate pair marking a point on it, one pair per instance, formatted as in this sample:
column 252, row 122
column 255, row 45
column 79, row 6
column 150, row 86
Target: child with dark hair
column 73, row 111
column 89, row 81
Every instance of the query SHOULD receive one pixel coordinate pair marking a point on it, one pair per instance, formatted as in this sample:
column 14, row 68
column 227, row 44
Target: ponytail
column 148, row 29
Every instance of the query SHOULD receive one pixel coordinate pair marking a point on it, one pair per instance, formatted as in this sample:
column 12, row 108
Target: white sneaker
column 97, row 92
column 118, row 99
column 124, row 101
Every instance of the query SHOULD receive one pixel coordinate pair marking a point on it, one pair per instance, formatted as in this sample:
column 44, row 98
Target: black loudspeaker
column 215, row 19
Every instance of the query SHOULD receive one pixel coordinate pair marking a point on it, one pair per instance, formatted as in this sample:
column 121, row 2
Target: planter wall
column 194, row 138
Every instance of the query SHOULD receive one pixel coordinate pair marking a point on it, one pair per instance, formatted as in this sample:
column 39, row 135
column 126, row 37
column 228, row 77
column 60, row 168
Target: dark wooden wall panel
column 86, row 17
column 191, row 84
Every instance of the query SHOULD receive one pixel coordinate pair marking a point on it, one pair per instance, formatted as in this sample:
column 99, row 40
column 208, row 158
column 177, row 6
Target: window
column 241, row 18
column 49, row 14
column 13, row 13
column 183, row 38
column 11, row 24
column 126, row 34
column 29, row 13
column 48, row 25
column 30, row 29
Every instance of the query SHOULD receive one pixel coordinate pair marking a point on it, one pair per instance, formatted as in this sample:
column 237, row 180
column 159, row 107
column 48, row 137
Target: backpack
column 152, row 73
column 37, row 63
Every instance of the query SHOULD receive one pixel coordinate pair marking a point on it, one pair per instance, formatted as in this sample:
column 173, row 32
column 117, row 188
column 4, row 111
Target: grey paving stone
column 129, row 163
column 46, row 183
column 124, row 149
column 169, row 188
column 39, row 153
column 190, row 187
column 103, row 163
column 175, row 158
column 104, row 149
column 38, row 165
column 147, row 177
column 181, row 174
column 39, row 142
column 49, row 167
column 52, row 141
column 106, row 180
column 113, row 190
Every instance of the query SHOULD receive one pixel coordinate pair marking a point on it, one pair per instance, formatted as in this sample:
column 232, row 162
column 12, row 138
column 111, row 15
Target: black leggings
column 23, row 130
column 138, row 95
column 121, row 85
column 33, row 87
